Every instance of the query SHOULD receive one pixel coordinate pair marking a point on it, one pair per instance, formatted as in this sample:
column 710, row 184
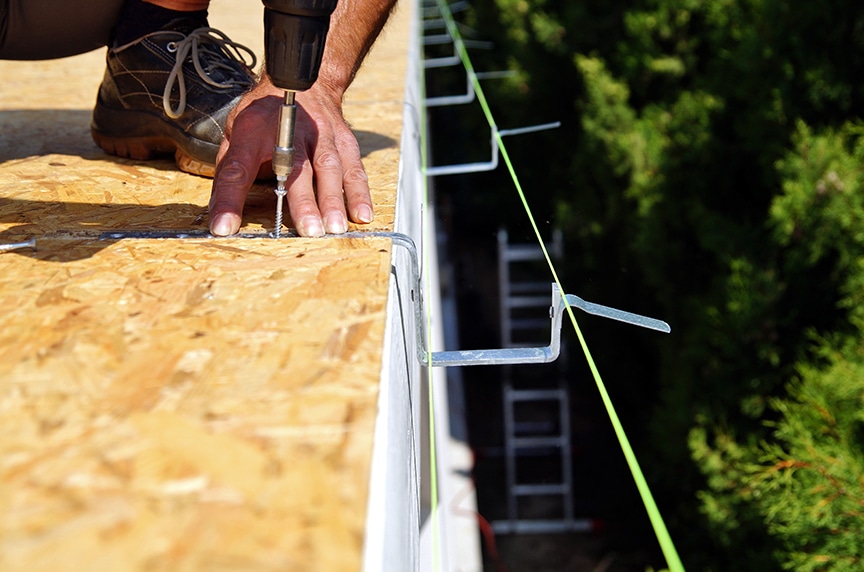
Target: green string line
column 660, row 530
column 433, row 456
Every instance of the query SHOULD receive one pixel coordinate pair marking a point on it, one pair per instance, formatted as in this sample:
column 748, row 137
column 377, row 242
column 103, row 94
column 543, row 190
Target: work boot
column 171, row 91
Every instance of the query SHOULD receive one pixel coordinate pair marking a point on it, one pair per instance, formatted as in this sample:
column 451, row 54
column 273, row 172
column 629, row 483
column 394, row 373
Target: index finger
column 238, row 162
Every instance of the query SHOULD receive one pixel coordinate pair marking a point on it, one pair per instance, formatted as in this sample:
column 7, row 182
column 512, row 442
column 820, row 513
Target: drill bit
column 283, row 154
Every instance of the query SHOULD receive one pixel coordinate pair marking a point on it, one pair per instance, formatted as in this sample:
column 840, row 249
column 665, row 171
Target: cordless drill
column 294, row 36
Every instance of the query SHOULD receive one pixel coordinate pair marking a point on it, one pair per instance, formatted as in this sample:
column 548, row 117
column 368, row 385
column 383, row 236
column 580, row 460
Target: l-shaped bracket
column 454, row 358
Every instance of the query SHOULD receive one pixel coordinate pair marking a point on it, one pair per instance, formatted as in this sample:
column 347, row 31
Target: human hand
column 327, row 160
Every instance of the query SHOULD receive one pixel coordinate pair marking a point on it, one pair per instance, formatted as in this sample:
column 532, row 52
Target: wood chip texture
column 194, row 404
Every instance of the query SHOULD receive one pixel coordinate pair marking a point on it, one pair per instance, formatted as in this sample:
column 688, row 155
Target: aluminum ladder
column 536, row 413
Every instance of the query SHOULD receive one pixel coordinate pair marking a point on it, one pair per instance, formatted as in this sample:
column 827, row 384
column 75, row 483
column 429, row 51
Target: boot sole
column 146, row 148
column 146, row 136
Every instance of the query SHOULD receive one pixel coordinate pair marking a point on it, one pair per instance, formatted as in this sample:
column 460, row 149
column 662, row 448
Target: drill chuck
column 294, row 35
column 283, row 152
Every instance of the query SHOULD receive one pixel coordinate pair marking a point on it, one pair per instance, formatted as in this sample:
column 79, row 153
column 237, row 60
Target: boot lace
column 213, row 55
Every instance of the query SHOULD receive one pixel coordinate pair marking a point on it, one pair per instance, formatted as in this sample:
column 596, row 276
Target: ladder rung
column 527, row 526
column 524, row 442
column 522, row 252
column 544, row 489
column 526, row 301
column 534, row 394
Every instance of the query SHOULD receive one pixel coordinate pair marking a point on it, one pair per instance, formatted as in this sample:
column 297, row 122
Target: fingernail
column 336, row 223
column 223, row 225
column 364, row 213
column 310, row 226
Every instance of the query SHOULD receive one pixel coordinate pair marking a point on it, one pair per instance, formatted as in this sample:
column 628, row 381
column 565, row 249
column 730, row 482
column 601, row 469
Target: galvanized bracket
column 508, row 356
column 469, row 95
column 546, row 354
column 492, row 163
column 455, row 358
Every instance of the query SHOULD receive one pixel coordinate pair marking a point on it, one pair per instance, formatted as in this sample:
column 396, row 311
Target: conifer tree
column 712, row 163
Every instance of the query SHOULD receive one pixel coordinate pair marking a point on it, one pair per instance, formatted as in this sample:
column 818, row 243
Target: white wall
column 399, row 527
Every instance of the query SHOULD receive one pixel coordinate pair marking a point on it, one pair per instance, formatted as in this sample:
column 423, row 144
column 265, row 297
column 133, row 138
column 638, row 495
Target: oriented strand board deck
column 193, row 404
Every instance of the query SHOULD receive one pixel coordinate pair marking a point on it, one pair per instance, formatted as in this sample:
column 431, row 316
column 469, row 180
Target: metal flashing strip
column 181, row 234
column 18, row 245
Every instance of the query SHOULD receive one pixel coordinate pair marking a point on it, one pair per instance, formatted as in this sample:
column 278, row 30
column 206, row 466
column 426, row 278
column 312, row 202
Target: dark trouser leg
column 47, row 29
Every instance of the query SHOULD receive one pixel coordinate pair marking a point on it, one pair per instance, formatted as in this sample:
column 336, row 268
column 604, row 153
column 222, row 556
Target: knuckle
column 356, row 175
column 327, row 161
column 234, row 171
column 235, row 168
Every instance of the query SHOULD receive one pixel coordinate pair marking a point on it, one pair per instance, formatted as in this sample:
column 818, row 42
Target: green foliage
column 812, row 478
column 709, row 171
column 733, row 520
column 821, row 209
column 806, row 483
column 608, row 121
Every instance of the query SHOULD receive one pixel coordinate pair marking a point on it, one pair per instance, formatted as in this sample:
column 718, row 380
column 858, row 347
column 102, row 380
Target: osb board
column 202, row 405
column 181, row 404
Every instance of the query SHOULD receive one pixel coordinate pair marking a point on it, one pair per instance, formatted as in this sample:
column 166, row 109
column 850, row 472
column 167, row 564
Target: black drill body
column 294, row 35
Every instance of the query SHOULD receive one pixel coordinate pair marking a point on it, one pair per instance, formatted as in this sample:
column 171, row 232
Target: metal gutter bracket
column 492, row 164
column 454, row 358
column 547, row 354
column 469, row 94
